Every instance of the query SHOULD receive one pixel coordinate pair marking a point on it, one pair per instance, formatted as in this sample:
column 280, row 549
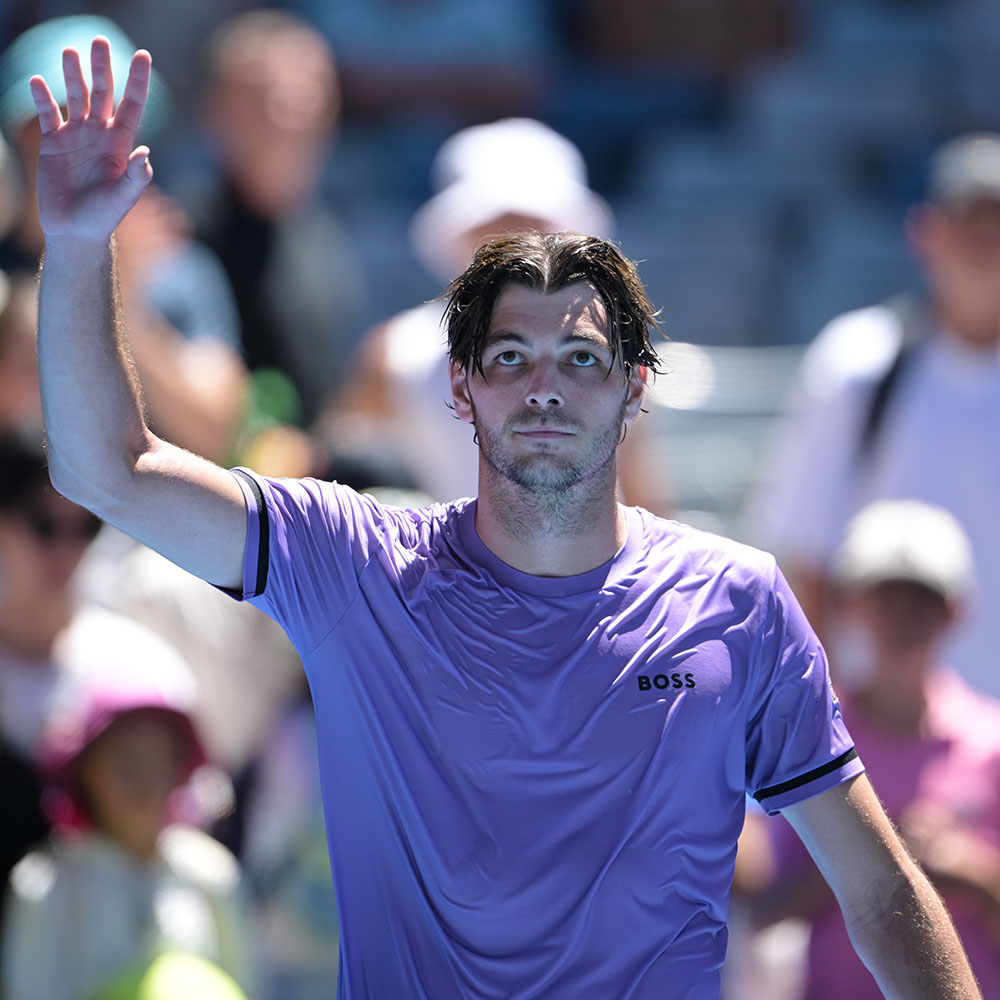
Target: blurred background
column 757, row 156
column 322, row 169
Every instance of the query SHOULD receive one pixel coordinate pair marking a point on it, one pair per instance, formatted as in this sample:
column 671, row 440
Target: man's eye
column 508, row 357
column 584, row 359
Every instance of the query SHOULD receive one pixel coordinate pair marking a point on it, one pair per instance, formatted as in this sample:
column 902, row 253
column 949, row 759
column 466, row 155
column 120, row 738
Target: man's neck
column 559, row 534
column 974, row 332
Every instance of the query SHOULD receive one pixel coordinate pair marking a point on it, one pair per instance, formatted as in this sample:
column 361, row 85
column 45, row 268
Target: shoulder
column 963, row 711
column 856, row 346
column 321, row 499
column 696, row 553
column 199, row 859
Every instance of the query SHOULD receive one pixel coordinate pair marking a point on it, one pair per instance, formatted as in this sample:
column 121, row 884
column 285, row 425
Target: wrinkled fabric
column 533, row 786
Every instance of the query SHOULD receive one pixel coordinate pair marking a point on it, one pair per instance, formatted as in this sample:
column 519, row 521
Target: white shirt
column 83, row 912
column 939, row 441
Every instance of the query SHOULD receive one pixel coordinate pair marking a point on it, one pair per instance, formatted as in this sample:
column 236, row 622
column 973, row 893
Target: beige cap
column 905, row 540
column 966, row 169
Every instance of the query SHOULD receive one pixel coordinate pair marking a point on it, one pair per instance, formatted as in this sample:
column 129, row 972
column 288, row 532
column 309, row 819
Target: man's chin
column 542, row 474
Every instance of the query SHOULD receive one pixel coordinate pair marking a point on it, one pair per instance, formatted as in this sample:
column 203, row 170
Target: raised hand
column 90, row 173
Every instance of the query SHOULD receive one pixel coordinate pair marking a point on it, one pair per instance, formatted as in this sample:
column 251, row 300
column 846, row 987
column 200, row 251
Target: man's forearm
column 910, row 945
column 90, row 395
column 897, row 922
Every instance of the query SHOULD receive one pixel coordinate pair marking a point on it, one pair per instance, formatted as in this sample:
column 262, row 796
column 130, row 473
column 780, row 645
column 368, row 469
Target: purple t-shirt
column 533, row 786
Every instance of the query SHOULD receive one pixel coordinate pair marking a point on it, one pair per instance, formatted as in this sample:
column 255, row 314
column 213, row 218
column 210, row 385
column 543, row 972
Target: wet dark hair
column 549, row 262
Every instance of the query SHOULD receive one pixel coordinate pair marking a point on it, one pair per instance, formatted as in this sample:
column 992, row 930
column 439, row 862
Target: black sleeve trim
column 263, row 533
column 804, row 779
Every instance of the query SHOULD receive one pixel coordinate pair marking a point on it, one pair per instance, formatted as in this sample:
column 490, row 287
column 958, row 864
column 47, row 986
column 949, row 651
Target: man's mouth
column 543, row 431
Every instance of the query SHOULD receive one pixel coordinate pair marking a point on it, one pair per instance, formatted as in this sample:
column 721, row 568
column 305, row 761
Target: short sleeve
column 306, row 547
column 797, row 743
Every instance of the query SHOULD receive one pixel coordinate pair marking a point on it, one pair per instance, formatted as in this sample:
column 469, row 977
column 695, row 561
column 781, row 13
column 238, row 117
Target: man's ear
column 635, row 387
column 460, row 392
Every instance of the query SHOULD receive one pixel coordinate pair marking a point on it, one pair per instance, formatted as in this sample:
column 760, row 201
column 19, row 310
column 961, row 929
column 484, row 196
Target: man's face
column 41, row 545
column 960, row 248
column 550, row 404
column 901, row 616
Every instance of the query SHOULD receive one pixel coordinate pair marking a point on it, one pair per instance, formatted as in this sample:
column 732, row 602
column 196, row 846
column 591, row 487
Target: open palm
column 89, row 173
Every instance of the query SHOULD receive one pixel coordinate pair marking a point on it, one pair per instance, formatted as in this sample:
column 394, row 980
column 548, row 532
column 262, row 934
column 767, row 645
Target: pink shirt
column 955, row 766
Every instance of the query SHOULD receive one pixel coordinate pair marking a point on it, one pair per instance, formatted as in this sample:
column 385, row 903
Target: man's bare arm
column 101, row 451
column 897, row 922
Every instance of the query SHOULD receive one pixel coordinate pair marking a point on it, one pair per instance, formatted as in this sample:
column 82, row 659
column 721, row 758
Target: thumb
column 138, row 173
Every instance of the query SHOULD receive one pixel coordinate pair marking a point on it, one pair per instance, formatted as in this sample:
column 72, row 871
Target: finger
column 49, row 114
column 136, row 89
column 102, row 92
column 77, row 95
column 138, row 171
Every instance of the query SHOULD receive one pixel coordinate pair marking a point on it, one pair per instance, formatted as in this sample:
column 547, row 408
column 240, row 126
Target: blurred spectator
column 903, row 400
column 167, row 31
column 511, row 174
column 270, row 106
column 24, row 824
column 20, row 400
column 244, row 665
column 931, row 745
column 42, row 539
column 183, row 326
column 123, row 880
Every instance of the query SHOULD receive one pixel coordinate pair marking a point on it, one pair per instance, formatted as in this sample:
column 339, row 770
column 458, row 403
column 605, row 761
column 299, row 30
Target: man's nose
column 543, row 391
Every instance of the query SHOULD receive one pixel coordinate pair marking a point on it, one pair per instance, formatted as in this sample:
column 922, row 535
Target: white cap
column 905, row 540
column 966, row 169
column 515, row 166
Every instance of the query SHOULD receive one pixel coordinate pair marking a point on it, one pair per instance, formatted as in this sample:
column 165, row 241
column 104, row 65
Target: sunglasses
column 49, row 530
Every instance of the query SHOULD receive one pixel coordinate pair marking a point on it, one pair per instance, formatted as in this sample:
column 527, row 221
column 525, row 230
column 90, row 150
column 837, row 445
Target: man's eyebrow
column 584, row 337
column 497, row 335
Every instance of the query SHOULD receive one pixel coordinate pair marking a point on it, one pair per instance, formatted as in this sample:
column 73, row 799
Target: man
column 43, row 537
column 493, row 178
column 270, row 105
column 900, row 401
column 902, row 575
column 538, row 711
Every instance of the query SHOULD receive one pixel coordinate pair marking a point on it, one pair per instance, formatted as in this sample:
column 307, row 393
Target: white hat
column 966, row 169
column 905, row 540
column 514, row 166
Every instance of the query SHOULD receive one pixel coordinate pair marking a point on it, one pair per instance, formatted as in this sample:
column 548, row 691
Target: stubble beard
column 550, row 482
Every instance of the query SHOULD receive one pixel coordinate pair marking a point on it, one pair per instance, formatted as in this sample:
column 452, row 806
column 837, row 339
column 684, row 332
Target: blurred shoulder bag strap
column 913, row 315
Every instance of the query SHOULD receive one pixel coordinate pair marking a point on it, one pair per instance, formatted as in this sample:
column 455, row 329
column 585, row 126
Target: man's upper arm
column 183, row 506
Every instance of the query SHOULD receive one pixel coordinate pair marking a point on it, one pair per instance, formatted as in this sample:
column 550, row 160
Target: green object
column 275, row 398
column 174, row 976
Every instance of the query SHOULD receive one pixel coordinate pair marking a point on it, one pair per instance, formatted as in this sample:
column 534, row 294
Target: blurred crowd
column 812, row 188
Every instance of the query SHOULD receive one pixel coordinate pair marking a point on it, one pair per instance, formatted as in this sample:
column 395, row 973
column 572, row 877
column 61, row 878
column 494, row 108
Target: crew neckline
column 549, row 586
